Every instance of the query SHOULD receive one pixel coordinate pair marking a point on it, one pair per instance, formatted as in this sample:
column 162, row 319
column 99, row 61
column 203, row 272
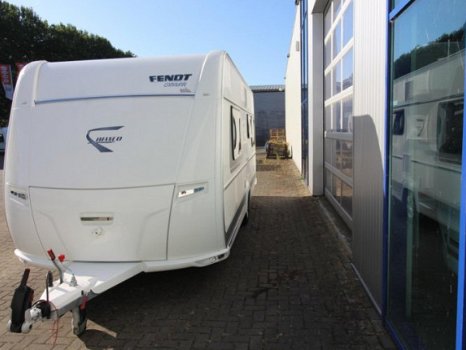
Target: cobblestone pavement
column 288, row 284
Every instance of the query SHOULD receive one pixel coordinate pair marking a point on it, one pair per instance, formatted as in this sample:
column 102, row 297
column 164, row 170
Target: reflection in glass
column 329, row 149
column 348, row 115
column 328, row 85
column 347, row 158
column 328, row 52
column 336, row 153
column 304, row 92
column 347, row 198
column 337, row 40
column 348, row 69
column 338, row 159
column 328, row 118
column 348, row 24
column 328, row 180
column 336, row 125
column 336, row 188
column 426, row 143
column 338, row 28
column 337, row 79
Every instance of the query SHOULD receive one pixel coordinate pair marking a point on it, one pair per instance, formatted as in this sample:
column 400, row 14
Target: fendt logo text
column 99, row 140
column 169, row 80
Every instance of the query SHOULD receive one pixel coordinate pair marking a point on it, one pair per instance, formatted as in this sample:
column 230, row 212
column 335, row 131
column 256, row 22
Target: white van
column 125, row 166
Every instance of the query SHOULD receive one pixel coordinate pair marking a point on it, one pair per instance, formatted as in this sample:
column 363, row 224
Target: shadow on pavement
column 288, row 283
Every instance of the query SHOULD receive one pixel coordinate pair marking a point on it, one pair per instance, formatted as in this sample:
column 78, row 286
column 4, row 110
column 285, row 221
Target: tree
column 25, row 37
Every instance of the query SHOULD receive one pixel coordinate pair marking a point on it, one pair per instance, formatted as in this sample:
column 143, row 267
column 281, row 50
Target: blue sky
column 256, row 33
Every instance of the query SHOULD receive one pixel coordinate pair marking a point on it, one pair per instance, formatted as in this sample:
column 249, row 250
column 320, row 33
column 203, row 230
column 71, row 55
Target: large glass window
column 338, row 88
column 304, row 93
column 427, row 94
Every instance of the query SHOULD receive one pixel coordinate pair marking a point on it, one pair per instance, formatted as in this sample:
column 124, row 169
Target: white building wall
column 293, row 93
column 370, row 32
column 370, row 52
column 316, row 103
column 315, row 99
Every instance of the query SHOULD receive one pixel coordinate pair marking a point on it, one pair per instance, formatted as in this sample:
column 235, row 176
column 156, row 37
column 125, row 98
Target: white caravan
column 427, row 133
column 124, row 166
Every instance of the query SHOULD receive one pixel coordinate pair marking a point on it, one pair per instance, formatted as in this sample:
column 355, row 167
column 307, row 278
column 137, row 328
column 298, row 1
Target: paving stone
column 288, row 284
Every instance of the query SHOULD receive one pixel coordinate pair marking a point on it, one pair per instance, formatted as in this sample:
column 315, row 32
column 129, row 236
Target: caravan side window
column 399, row 122
column 233, row 133
column 251, row 132
column 450, row 131
column 240, row 121
column 235, row 127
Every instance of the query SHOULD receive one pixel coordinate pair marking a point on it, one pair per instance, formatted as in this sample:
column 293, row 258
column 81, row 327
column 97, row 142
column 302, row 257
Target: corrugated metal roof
column 267, row 88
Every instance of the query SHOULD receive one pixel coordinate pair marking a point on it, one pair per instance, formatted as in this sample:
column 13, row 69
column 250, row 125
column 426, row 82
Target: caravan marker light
column 190, row 192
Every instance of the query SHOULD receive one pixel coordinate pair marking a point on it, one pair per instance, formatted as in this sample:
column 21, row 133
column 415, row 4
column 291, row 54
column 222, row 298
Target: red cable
column 54, row 328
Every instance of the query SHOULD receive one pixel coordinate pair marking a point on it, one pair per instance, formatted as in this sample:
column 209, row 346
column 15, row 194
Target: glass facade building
column 425, row 136
column 392, row 97
column 338, row 103
column 304, row 92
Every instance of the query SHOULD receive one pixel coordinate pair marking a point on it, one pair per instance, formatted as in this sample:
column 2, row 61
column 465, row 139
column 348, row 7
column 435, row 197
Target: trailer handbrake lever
column 61, row 268
column 54, row 261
